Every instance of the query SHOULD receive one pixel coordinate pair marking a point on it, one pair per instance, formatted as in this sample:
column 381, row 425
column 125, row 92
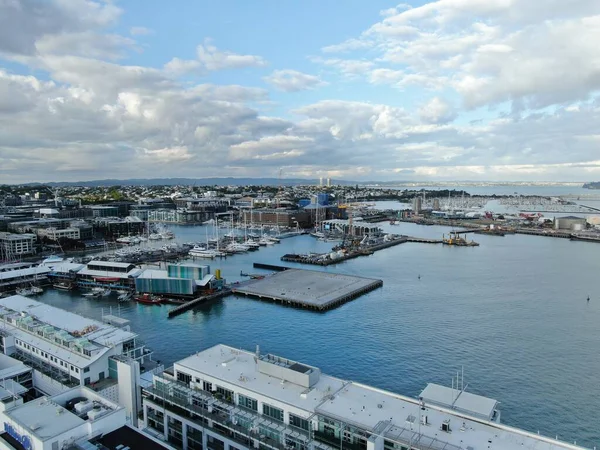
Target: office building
column 55, row 234
column 16, row 244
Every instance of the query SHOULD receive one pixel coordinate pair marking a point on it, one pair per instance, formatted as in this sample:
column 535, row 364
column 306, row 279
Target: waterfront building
column 103, row 273
column 115, row 226
column 279, row 217
column 63, row 348
column 55, row 234
column 16, row 244
column 570, row 223
column 14, row 275
column 77, row 419
column 181, row 216
column 353, row 228
column 225, row 398
column 104, row 210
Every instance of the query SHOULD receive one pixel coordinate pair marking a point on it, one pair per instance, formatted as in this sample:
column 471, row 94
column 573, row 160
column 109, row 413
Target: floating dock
column 309, row 289
column 196, row 302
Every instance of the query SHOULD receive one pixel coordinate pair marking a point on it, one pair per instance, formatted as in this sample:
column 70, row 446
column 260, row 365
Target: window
column 184, row 377
column 272, row 412
column 225, row 394
column 86, row 381
column 76, row 370
column 247, row 402
column 207, row 386
column 87, row 369
column 298, row 422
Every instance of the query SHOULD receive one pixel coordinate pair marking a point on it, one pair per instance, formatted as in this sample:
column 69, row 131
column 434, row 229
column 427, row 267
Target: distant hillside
column 592, row 185
column 230, row 181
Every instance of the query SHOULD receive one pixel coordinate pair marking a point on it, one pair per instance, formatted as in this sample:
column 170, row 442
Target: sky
column 485, row 90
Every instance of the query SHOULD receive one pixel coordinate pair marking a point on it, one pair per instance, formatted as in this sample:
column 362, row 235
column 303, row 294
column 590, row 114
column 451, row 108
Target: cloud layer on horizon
column 503, row 90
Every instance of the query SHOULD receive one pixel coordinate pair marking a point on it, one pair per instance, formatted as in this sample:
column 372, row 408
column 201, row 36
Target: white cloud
column 437, row 110
column 386, row 76
column 209, row 58
column 85, row 116
column 293, row 81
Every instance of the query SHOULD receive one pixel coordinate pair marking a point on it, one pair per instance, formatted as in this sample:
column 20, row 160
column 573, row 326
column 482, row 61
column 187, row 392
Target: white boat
column 124, row 296
column 155, row 237
column 24, row 292
column 203, row 253
column 318, row 234
column 36, row 290
column 252, row 245
column 124, row 240
column 265, row 241
column 234, row 247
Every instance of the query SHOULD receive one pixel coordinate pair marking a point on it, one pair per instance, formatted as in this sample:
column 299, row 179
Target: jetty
column 197, row 301
column 310, row 289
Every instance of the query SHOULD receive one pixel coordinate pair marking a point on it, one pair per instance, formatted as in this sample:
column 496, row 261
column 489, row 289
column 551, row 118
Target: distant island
column 592, row 185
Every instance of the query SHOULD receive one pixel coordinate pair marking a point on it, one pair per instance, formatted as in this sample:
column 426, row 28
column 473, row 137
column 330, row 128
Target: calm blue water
column 513, row 312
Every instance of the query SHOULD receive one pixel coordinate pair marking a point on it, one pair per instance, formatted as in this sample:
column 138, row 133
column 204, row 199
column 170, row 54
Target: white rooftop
column 103, row 334
column 46, row 417
column 397, row 417
column 109, row 264
column 229, row 364
column 18, row 273
column 460, row 400
column 10, row 367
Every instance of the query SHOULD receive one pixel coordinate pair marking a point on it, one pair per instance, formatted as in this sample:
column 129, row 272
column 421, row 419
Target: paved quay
column 308, row 288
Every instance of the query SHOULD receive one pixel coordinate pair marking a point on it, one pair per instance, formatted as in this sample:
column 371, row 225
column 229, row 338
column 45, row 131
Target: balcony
column 336, row 442
column 230, row 421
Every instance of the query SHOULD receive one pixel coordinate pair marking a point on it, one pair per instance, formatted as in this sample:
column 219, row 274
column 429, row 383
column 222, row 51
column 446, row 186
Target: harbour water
column 513, row 312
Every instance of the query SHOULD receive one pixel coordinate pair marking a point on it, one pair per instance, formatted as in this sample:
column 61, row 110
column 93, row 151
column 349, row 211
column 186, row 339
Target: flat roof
column 10, row 367
column 306, row 287
column 110, row 264
column 44, row 418
column 459, row 400
column 103, row 334
column 395, row 416
column 18, row 273
column 130, row 437
column 110, row 273
column 232, row 366
column 10, row 388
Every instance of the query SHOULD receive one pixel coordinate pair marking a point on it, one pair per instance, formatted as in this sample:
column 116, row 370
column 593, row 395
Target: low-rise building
column 55, row 234
column 62, row 347
column 104, row 210
column 12, row 245
column 229, row 399
column 279, row 217
column 76, row 419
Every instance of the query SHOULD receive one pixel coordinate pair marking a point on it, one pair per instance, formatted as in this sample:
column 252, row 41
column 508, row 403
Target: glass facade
column 299, row 422
column 247, row 402
column 272, row 412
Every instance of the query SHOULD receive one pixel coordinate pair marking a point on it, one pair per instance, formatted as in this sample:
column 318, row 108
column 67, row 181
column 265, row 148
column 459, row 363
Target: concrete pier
column 310, row 289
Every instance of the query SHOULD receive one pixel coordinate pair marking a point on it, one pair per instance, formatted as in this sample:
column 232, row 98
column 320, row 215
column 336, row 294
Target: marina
column 308, row 289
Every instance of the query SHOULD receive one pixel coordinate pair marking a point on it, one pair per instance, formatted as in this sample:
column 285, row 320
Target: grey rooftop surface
column 459, row 400
column 44, row 418
column 308, row 287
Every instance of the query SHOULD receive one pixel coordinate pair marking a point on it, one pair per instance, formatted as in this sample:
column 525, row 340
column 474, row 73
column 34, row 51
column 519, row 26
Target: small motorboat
column 148, row 299
column 63, row 286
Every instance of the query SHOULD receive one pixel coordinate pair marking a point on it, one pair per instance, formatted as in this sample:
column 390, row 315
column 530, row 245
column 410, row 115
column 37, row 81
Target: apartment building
column 223, row 398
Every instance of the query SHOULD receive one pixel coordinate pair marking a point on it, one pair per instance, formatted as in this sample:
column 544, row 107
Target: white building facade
column 12, row 244
column 227, row 399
